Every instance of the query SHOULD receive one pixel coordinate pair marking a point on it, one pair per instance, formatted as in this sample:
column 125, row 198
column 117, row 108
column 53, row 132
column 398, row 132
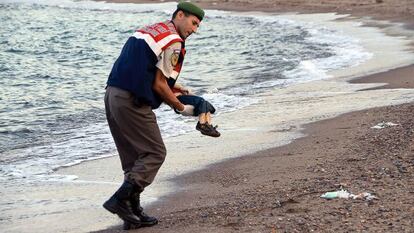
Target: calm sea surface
column 56, row 55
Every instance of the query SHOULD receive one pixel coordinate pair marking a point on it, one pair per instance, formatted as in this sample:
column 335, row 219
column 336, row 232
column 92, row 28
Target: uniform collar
column 176, row 29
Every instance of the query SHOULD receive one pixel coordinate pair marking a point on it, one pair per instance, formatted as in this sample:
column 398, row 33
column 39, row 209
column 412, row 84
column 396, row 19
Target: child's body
column 202, row 108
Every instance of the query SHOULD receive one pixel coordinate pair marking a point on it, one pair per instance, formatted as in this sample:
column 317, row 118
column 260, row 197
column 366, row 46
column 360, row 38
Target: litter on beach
column 347, row 195
column 383, row 125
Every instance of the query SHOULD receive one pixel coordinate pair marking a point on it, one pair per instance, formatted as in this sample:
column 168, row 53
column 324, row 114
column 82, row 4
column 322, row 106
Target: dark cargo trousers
column 137, row 136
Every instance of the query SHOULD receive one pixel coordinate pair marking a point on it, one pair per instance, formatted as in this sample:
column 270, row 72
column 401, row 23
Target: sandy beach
column 267, row 174
column 277, row 190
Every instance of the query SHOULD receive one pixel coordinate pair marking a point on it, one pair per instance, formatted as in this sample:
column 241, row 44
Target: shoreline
column 203, row 201
column 207, row 209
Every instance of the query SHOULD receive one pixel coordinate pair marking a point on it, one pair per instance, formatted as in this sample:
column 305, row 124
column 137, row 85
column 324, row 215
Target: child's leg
column 208, row 118
column 202, row 118
column 205, row 127
column 203, row 110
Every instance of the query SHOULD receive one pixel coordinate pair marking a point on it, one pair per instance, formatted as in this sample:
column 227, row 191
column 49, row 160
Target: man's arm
column 161, row 87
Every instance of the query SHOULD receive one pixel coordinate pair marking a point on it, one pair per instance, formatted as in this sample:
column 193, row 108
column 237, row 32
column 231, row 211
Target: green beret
column 192, row 9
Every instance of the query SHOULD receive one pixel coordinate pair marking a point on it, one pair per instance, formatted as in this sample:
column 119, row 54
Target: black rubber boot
column 120, row 203
column 146, row 221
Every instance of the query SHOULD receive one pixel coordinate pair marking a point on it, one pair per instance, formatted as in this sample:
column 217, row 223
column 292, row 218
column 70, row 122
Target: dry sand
column 277, row 190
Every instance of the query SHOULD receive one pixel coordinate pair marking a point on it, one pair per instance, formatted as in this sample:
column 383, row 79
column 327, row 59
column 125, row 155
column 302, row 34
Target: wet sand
column 277, row 190
column 397, row 78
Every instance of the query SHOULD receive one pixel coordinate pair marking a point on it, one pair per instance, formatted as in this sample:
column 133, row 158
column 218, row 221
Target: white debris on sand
column 347, row 195
column 383, row 125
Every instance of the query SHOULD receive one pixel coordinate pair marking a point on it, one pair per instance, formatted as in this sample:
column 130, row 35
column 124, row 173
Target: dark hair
column 176, row 12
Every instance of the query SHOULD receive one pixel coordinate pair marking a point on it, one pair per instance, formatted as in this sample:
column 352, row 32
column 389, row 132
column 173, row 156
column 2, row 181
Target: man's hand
column 187, row 111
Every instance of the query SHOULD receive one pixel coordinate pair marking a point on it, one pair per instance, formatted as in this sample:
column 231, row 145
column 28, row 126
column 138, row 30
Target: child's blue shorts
column 200, row 105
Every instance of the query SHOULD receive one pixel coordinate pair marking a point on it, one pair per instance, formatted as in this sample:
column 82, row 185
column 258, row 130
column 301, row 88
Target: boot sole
column 149, row 224
column 130, row 226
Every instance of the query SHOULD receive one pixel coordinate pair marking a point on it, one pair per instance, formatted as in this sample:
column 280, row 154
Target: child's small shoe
column 207, row 129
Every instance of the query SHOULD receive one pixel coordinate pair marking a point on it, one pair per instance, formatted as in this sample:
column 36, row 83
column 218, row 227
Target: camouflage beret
column 192, row 9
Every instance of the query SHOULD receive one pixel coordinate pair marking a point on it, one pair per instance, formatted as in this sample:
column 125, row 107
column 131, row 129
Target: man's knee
column 155, row 157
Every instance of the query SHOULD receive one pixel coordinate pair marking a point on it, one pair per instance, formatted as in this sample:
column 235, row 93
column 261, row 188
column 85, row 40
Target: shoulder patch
column 174, row 57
